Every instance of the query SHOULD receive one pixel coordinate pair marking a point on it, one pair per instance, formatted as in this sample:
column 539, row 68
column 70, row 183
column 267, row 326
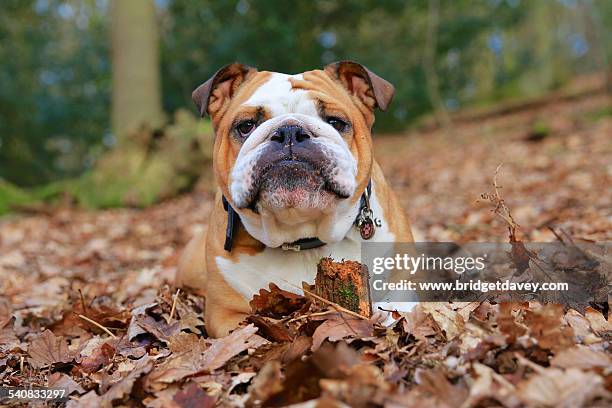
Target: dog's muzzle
column 300, row 163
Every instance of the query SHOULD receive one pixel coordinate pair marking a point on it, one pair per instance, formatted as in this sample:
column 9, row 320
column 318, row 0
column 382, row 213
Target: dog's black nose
column 290, row 135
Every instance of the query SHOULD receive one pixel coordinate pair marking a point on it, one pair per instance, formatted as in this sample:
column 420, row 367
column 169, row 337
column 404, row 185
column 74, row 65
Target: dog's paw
column 383, row 311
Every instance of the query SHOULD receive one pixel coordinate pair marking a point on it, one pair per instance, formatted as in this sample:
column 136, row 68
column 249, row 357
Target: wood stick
column 174, row 305
column 87, row 319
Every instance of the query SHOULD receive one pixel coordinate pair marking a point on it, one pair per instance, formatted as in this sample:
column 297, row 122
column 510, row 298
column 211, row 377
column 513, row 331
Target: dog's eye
column 337, row 124
column 245, row 127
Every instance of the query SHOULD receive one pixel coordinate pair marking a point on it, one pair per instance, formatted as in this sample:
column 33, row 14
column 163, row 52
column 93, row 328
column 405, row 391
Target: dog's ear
column 212, row 94
column 371, row 89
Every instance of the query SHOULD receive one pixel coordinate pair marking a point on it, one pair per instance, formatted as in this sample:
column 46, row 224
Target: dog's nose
column 290, row 135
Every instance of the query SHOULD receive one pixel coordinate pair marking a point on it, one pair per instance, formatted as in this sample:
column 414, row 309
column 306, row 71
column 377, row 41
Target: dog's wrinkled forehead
column 279, row 97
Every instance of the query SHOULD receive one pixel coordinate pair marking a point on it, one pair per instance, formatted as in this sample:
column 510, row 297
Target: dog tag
column 366, row 228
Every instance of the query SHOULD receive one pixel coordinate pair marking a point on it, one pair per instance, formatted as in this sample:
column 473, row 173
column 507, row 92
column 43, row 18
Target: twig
column 295, row 319
column 501, row 210
column 556, row 234
column 335, row 305
column 526, row 362
column 83, row 301
column 174, row 305
column 87, row 319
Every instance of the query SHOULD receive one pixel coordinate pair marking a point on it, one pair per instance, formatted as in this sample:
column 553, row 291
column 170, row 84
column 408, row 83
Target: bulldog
column 297, row 182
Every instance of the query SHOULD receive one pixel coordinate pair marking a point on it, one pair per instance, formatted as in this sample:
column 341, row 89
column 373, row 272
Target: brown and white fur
column 285, row 188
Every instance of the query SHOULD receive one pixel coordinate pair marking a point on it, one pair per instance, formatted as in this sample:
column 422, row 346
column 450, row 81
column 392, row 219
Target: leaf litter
column 87, row 304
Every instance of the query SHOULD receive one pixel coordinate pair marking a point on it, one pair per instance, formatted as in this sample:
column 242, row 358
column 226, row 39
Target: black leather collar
column 301, row 244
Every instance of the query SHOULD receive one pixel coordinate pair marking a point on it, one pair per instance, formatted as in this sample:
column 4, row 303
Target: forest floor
column 87, row 302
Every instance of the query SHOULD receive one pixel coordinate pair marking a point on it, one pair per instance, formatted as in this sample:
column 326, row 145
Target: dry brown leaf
column 192, row 396
column 276, row 303
column 507, row 323
column 564, row 389
column 184, row 342
column 98, row 358
column 546, row 326
column 420, row 324
column 581, row 357
column 60, row 380
column 125, row 385
column 449, row 320
column 267, row 382
column 582, row 327
column 599, row 323
column 89, row 400
column 270, row 329
column 5, row 312
column 8, row 338
column 340, row 326
column 158, row 328
column 48, row 349
column 221, row 350
column 207, row 360
column 487, row 384
column 434, row 383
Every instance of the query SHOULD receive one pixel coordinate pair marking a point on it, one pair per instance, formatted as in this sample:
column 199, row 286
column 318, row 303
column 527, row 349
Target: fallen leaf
column 100, row 357
column 557, row 388
column 435, row 383
column 5, row 312
column 269, row 329
column 581, row 357
column 276, row 303
column 62, row 381
column 546, row 326
column 48, row 349
column 192, row 396
column 599, row 323
column 206, row 360
column 267, row 382
column 158, row 328
column 8, row 338
column 125, row 385
column 340, row 326
column 89, row 400
column 449, row 320
column 184, row 342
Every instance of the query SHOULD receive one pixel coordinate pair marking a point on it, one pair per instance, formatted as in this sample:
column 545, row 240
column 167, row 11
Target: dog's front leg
column 220, row 320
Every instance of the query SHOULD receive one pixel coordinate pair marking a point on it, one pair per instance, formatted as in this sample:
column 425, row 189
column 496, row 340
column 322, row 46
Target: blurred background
column 95, row 95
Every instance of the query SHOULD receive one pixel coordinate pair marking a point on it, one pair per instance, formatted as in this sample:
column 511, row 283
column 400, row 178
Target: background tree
column 135, row 66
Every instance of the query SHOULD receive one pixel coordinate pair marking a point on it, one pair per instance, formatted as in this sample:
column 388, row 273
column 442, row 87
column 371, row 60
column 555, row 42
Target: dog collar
column 365, row 222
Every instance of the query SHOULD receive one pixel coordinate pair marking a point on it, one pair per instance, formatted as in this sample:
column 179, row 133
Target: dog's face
column 292, row 149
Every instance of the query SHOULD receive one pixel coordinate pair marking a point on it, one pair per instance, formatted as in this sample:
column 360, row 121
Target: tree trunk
column 429, row 63
column 136, row 99
column 150, row 162
column 345, row 283
column 595, row 32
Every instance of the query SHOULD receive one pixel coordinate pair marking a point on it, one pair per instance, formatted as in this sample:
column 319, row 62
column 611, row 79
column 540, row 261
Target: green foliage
column 55, row 87
column 599, row 114
column 152, row 167
column 540, row 129
column 11, row 196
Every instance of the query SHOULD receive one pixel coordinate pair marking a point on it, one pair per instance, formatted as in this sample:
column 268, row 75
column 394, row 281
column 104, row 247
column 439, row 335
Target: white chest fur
column 288, row 269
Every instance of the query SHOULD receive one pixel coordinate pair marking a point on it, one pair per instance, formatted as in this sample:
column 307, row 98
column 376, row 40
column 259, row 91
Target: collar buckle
column 291, row 247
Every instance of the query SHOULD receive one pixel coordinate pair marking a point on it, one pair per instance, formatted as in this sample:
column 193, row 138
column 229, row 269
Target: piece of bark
column 345, row 283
